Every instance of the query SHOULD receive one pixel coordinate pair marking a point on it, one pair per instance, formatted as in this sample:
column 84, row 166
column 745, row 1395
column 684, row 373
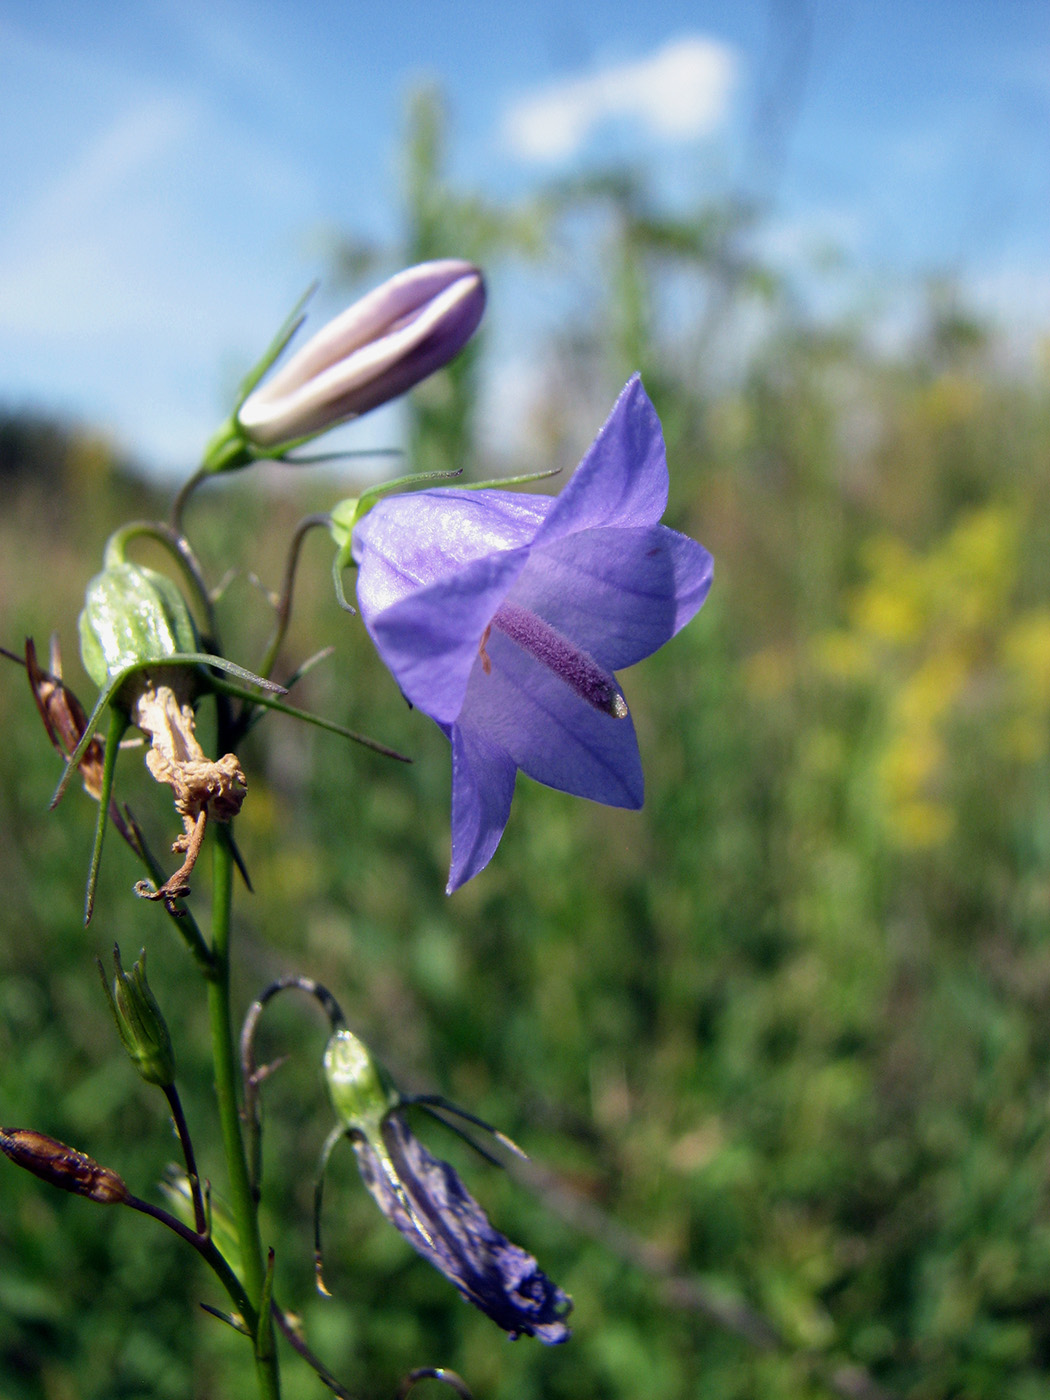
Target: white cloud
column 680, row 92
column 139, row 139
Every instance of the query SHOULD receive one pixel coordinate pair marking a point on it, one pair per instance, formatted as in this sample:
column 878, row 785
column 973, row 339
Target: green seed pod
column 132, row 615
column 139, row 1020
column 361, row 1090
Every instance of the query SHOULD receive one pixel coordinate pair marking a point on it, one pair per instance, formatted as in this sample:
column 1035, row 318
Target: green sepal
column 132, row 615
column 230, row 448
column 345, row 514
column 499, row 482
column 277, row 346
column 139, row 1021
column 341, row 520
column 118, row 722
column 319, row 722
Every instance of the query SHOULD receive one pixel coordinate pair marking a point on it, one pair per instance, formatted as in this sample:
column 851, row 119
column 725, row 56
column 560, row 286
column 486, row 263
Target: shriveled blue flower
column 441, row 1220
column 425, row 1199
column 504, row 618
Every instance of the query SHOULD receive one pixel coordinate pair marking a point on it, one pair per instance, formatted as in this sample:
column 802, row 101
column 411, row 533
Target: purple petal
column 495, row 1275
column 429, row 640
column 590, row 577
column 622, row 479
column 405, row 542
column 619, row 594
column 482, row 787
column 552, row 734
column 397, row 300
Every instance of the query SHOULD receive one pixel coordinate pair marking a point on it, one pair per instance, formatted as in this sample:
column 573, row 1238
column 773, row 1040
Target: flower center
column 580, row 672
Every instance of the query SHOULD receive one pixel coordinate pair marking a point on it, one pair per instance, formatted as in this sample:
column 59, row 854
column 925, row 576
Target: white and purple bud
column 380, row 347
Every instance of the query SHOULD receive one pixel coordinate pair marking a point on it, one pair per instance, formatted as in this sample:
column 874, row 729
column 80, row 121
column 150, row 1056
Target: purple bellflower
column 504, row 617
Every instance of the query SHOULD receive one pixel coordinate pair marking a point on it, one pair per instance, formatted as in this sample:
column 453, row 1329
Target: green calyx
column 132, row 615
column 141, row 1025
column 341, row 521
column 361, row 1090
column 228, row 450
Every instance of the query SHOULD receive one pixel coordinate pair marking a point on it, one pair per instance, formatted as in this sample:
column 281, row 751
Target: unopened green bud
column 361, row 1090
column 132, row 615
column 139, row 1021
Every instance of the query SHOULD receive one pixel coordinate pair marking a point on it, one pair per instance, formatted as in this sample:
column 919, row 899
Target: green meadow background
column 783, row 1036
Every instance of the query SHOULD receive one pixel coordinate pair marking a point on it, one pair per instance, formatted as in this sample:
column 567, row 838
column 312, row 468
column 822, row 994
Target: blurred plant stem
column 243, row 1205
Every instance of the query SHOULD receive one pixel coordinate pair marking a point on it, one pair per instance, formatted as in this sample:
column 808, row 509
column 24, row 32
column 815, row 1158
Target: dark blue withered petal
column 443, row 1223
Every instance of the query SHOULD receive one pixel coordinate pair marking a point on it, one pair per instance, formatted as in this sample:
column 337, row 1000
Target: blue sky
column 170, row 167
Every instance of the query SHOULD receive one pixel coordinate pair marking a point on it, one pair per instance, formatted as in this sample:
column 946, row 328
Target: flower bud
column 139, row 1021
column 132, row 615
column 62, row 1166
column 377, row 349
column 65, row 719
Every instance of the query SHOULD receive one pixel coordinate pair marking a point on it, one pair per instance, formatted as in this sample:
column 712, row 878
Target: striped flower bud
column 380, row 347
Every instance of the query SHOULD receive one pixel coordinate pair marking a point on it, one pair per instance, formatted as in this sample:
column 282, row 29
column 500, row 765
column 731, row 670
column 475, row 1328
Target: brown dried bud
column 62, row 1166
column 64, row 716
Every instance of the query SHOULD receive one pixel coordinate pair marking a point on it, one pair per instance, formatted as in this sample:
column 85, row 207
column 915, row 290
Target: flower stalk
column 242, row 1200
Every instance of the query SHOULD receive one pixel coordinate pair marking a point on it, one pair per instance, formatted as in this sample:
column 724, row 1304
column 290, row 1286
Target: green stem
column 241, row 1199
column 284, row 605
column 118, row 722
column 206, row 1248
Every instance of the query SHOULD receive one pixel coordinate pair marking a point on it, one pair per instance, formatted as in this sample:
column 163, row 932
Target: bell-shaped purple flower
column 505, row 616
column 404, row 330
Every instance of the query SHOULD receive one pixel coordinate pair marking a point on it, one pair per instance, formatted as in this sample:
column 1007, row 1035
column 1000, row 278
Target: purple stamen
column 580, row 672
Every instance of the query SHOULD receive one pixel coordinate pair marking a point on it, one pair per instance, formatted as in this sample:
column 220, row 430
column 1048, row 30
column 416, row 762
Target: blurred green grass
column 789, row 1023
